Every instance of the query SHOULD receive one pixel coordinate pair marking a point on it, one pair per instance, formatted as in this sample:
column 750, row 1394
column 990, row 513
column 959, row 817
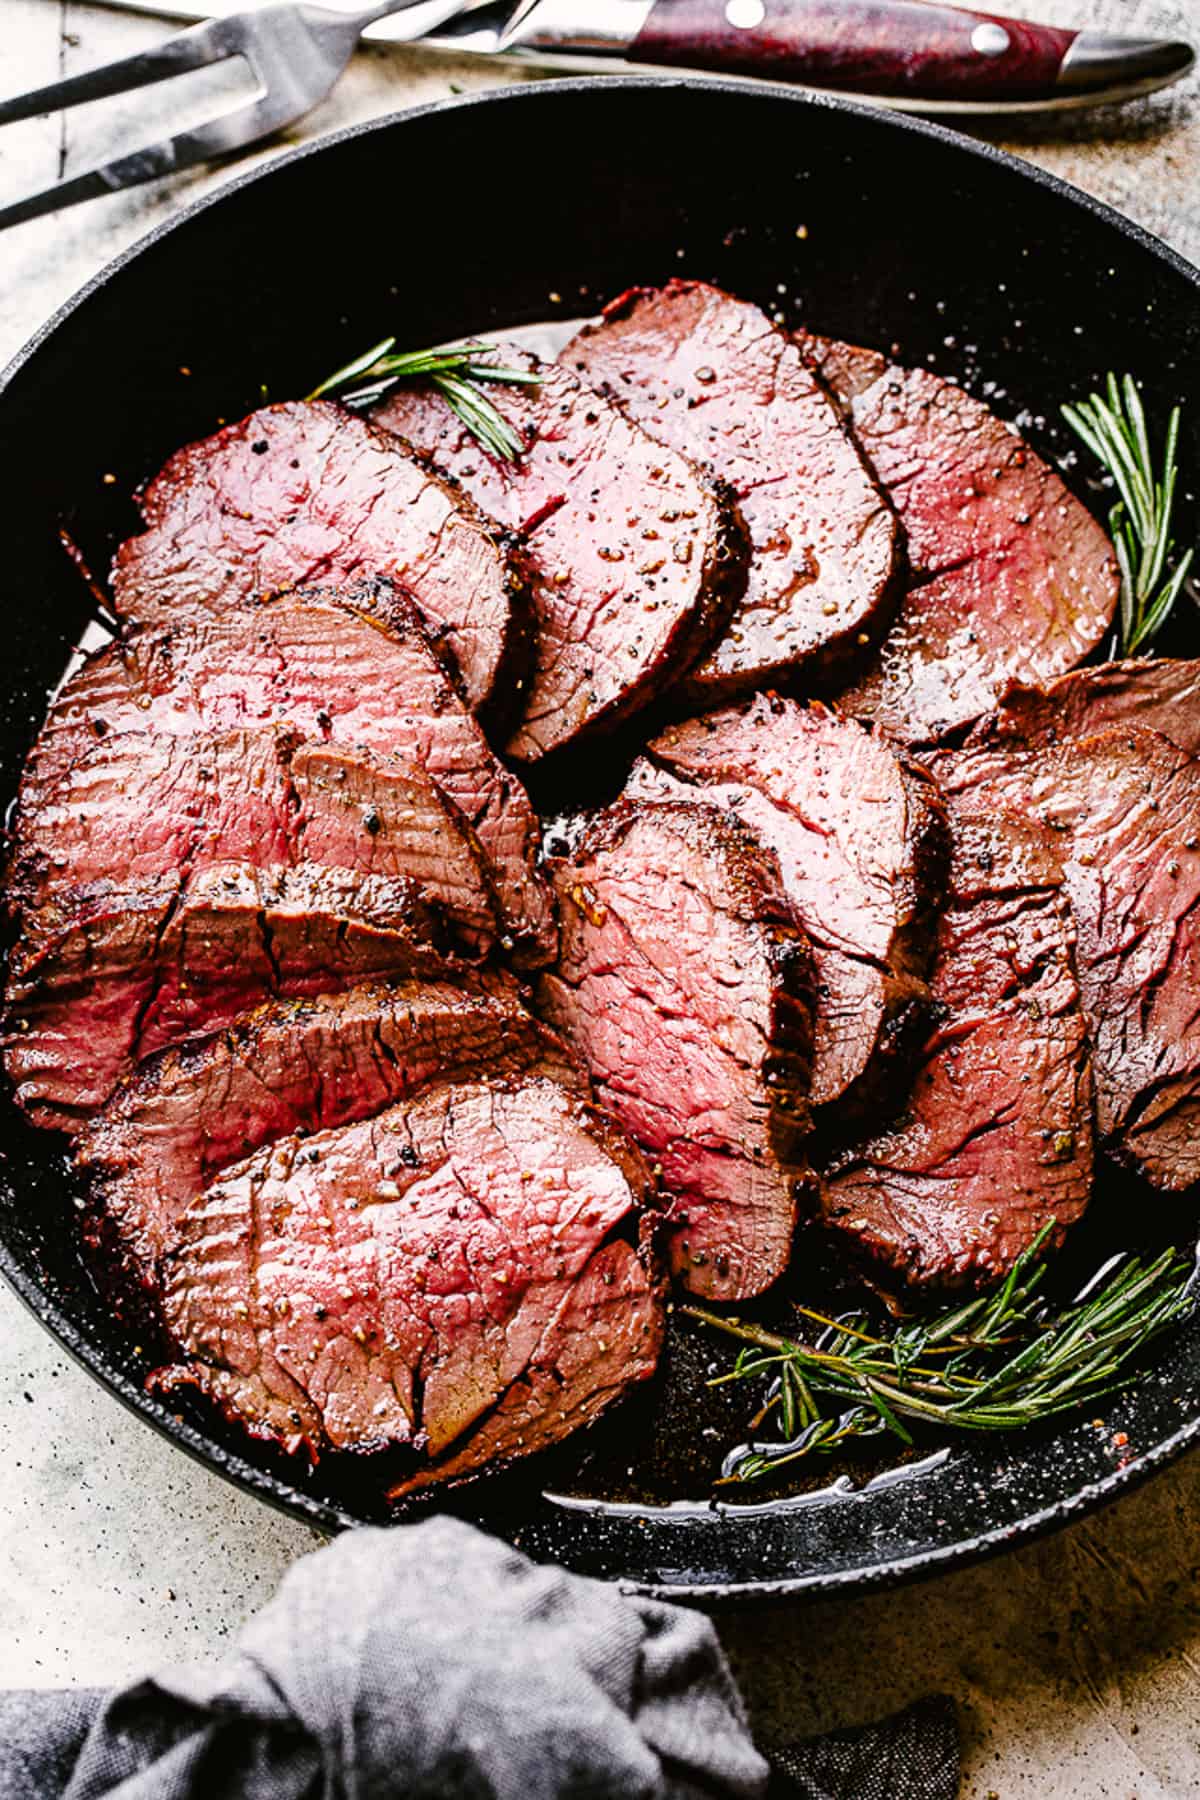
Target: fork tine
column 192, row 49
column 232, row 131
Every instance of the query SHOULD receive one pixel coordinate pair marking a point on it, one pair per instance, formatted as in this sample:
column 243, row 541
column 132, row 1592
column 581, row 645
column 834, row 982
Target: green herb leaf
column 1113, row 426
column 458, row 375
column 999, row 1362
column 360, row 366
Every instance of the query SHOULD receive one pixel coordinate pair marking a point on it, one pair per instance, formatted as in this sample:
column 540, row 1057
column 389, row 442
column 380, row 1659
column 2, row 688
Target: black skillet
column 519, row 207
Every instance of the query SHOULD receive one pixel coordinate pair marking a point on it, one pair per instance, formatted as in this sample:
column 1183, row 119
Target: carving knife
column 904, row 53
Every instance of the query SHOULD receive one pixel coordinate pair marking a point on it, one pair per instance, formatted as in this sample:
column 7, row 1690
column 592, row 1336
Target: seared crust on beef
column 141, row 808
column 639, row 555
column 712, row 377
column 389, row 1282
column 606, row 1334
column 859, row 831
column 295, row 1066
column 1159, row 693
column 997, row 1138
column 171, row 959
column 1125, row 807
column 306, row 492
column 1011, row 579
column 346, row 668
column 685, row 986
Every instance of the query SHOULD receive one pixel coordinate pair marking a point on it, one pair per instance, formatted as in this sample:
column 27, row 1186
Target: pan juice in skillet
column 628, row 854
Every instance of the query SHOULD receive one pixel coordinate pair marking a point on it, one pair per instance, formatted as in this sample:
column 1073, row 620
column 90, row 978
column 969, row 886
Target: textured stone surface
column 1077, row 1661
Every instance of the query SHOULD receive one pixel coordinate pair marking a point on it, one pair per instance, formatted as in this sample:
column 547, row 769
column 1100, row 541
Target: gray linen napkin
column 432, row 1661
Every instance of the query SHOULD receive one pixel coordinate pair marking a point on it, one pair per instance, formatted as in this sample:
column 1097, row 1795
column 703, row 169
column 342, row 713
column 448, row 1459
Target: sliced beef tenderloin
column 710, row 376
column 306, row 492
column 997, row 1139
column 393, row 1281
column 1157, row 692
column 351, row 669
column 370, row 813
column 639, row 556
column 859, row 833
column 1125, row 807
column 173, row 959
column 685, row 986
column 295, row 1067
column 135, row 806
column 140, row 807
column 605, row 1335
column 1011, row 577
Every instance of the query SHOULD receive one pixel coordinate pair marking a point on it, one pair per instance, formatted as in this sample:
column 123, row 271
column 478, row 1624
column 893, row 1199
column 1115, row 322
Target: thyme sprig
column 1113, row 426
column 998, row 1362
column 456, row 373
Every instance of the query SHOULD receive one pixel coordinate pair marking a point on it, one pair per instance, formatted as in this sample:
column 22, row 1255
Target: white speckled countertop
column 1076, row 1661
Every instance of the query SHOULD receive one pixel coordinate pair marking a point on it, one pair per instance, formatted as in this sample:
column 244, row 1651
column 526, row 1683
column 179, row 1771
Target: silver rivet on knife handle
column 745, row 15
column 990, row 40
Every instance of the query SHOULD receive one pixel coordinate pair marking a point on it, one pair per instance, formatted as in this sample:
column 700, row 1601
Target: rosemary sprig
column 456, row 373
column 1113, row 426
column 994, row 1364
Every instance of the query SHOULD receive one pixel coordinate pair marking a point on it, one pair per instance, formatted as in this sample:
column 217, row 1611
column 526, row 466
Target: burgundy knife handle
column 891, row 47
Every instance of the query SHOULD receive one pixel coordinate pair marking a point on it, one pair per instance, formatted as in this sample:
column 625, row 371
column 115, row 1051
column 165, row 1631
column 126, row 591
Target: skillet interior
column 518, row 207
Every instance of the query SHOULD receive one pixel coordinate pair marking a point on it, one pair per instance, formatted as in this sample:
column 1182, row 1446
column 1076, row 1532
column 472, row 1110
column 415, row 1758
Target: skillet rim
column 323, row 1514
column 533, row 92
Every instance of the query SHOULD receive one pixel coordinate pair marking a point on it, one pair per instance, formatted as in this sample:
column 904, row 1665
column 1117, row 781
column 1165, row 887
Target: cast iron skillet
column 518, row 207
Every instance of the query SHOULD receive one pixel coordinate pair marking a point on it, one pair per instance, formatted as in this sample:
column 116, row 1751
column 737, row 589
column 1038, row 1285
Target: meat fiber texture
column 456, row 1275
column 305, row 493
column 295, row 1067
column 713, row 378
column 685, row 986
column 1159, row 693
column 638, row 555
column 1125, row 808
column 997, row 1138
column 141, row 808
column 1011, row 579
column 177, row 958
column 860, row 835
column 346, row 669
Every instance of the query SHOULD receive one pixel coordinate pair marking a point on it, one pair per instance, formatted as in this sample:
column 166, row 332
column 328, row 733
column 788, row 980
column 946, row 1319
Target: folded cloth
column 431, row 1662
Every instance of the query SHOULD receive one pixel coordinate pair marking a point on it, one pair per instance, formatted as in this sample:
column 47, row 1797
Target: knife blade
column 904, row 54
